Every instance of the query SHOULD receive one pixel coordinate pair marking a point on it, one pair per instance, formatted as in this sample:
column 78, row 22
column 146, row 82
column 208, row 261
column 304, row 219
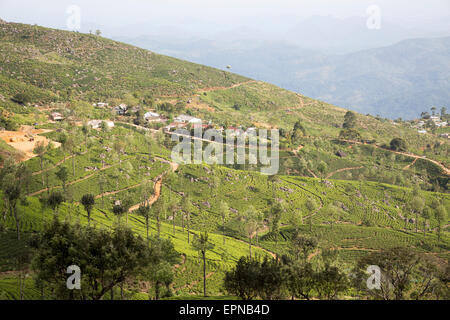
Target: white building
column 149, row 115
column 435, row 118
column 187, row 119
column 56, row 116
column 96, row 124
column 121, row 109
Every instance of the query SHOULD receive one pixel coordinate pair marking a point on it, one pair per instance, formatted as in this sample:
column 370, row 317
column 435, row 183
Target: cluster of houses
column 436, row 120
column 181, row 121
column 184, row 121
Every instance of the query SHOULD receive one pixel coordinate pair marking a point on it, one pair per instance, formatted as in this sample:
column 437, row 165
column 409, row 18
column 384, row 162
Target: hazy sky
column 213, row 15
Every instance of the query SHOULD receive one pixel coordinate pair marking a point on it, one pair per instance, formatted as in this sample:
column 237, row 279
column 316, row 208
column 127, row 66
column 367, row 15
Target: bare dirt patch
column 25, row 140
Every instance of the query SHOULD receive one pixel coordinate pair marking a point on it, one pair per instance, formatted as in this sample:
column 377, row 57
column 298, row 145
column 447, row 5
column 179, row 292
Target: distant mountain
column 399, row 80
column 395, row 81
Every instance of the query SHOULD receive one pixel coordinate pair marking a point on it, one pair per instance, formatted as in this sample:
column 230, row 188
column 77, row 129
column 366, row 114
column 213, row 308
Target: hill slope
column 68, row 71
column 91, row 66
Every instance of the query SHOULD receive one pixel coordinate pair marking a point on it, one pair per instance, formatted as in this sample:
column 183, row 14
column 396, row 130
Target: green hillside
column 355, row 197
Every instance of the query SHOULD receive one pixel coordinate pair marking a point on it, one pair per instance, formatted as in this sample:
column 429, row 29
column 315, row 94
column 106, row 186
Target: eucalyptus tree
column 417, row 204
column 85, row 130
column 441, row 215
column 14, row 179
column 62, row 176
column 65, row 144
column 119, row 148
column 173, row 208
column 144, row 210
column 250, row 226
column 149, row 140
column 39, row 150
column 102, row 180
column 88, row 202
column 224, row 213
column 426, row 216
column 311, row 206
column 187, row 207
column 158, row 208
column 202, row 244
column 54, row 201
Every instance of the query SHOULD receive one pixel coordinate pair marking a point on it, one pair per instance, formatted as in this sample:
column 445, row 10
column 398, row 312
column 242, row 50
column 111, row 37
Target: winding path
column 445, row 170
column 341, row 170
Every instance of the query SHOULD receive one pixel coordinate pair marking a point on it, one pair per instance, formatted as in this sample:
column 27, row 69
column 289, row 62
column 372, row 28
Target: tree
column 186, row 205
column 433, row 110
column 158, row 208
column 202, row 245
column 322, row 167
column 88, row 202
column 398, row 144
column 106, row 258
column 405, row 274
column 224, row 213
column 65, row 144
column 118, row 211
column 250, row 226
column 349, row 120
column 417, row 205
column 298, row 132
column 72, row 146
column 144, row 210
column 40, row 149
column 349, row 134
column 62, row 175
column 273, row 181
column 54, row 201
column 304, row 245
column 162, row 257
column 276, row 210
column 215, row 184
column 311, row 206
column 300, row 280
column 119, row 148
column 98, row 33
column 102, row 180
column 330, row 281
column 426, row 215
column 441, row 215
column 85, row 130
column 149, row 140
column 242, row 281
column 13, row 180
column 21, row 98
column 271, row 279
column 173, row 208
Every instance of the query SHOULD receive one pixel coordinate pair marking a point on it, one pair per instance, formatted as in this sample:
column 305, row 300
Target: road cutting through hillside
column 445, row 170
